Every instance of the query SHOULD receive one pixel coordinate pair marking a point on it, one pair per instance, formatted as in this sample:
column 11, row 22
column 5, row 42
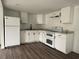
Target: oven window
column 49, row 41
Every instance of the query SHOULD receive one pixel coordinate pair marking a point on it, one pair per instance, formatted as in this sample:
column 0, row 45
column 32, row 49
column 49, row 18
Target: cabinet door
column 60, row 42
column 34, row 36
column 37, row 34
column 31, row 36
column 42, row 37
column 27, row 36
column 40, row 19
column 24, row 17
column 65, row 15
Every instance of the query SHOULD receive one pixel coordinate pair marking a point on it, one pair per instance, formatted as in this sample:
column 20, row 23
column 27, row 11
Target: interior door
column 12, row 36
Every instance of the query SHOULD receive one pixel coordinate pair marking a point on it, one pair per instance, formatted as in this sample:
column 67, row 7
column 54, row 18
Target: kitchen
column 50, row 35
column 57, row 29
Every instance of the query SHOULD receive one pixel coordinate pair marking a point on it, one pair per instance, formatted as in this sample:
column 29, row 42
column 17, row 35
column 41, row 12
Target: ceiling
column 38, row 6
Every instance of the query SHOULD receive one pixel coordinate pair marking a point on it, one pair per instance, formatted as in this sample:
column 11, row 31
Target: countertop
column 65, row 32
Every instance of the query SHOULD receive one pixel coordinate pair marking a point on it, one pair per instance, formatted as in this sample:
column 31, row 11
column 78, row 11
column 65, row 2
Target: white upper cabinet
column 67, row 14
column 55, row 14
column 32, row 18
column 42, row 36
column 52, row 16
column 40, row 19
column 24, row 17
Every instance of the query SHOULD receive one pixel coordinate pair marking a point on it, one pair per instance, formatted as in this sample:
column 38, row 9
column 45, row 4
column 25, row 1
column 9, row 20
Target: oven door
column 50, row 42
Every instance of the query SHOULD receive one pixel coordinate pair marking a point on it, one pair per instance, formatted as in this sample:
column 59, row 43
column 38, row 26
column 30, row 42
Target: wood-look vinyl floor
column 34, row 51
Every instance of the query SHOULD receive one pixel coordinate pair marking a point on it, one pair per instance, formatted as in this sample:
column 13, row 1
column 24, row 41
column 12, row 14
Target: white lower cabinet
column 42, row 36
column 29, row 36
column 34, row 36
column 64, row 42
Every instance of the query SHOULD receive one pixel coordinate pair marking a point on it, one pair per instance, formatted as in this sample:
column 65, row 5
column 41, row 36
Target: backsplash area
column 34, row 26
column 55, row 24
column 50, row 24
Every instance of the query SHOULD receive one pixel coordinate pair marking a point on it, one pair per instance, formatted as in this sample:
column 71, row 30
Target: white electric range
column 50, row 39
